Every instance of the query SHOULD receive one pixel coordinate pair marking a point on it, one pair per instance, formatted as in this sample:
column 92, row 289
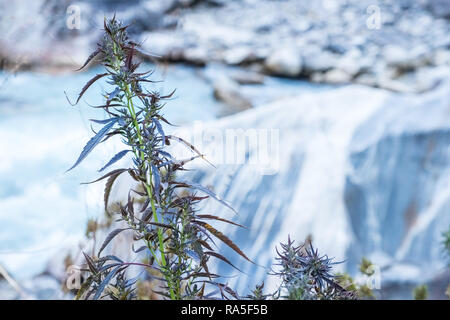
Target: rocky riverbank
column 397, row 45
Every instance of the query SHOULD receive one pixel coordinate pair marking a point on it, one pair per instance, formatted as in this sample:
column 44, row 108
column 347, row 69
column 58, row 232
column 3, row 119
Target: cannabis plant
column 306, row 275
column 161, row 210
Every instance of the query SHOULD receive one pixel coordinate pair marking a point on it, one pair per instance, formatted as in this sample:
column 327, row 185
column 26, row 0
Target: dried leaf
column 222, row 237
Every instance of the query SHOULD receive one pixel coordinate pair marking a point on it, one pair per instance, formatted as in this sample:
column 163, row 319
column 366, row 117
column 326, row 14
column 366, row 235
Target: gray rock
column 241, row 55
column 196, row 55
column 166, row 44
column 284, row 62
column 247, row 77
column 404, row 58
column 337, row 76
column 316, row 60
column 228, row 91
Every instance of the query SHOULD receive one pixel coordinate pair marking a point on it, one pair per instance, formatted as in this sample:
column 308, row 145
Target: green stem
column 148, row 187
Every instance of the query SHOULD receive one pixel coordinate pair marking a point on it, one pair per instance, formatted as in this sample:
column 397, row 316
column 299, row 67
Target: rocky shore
column 397, row 45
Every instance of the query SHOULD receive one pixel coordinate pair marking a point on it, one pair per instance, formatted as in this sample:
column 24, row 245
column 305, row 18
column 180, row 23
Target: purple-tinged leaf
column 108, row 239
column 89, row 83
column 93, row 142
column 91, row 56
column 117, row 171
column 105, row 282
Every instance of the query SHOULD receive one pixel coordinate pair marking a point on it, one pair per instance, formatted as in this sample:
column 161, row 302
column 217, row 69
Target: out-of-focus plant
column 446, row 242
column 161, row 211
column 362, row 291
column 307, row 275
column 420, row 292
column 446, row 246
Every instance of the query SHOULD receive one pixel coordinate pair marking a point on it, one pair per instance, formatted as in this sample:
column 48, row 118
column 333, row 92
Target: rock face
column 397, row 187
column 363, row 171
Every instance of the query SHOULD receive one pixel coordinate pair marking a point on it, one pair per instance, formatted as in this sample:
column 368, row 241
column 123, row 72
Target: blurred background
column 359, row 91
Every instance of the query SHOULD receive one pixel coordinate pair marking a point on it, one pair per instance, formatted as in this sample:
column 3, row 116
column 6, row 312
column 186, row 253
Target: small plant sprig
column 176, row 238
column 305, row 275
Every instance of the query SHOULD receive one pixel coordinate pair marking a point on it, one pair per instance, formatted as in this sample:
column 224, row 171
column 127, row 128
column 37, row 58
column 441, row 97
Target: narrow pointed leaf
column 224, row 238
column 93, row 143
column 160, row 130
column 103, row 121
column 109, row 238
column 90, row 263
column 89, row 83
column 212, row 217
column 157, row 180
column 221, row 257
column 105, row 282
column 114, row 159
column 107, row 175
column 211, row 194
column 91, row 56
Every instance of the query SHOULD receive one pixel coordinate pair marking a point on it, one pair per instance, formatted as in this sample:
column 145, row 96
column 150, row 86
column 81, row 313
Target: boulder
column 284, row 62
column 227, row 91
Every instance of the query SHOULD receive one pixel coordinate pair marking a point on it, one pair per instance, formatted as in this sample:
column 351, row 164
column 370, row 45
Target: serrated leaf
column 105, row 282
column 109, row 238
column 103, row 121
column 223, row 238
column 205, row 244
column 108, row 186
column 157, row 181
column 114, row 159
column 142, row 248
column 91, row 56
column 160, row 130
column 212, row 217
column 112, row 95
column 159, row 224
column 90, row 263
column 190, row 146
column 211, row 194
column 93, row 142
column 194, row 255
column 86, row 284
column 89, row 83
column 221, row 257
column 107, row 175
